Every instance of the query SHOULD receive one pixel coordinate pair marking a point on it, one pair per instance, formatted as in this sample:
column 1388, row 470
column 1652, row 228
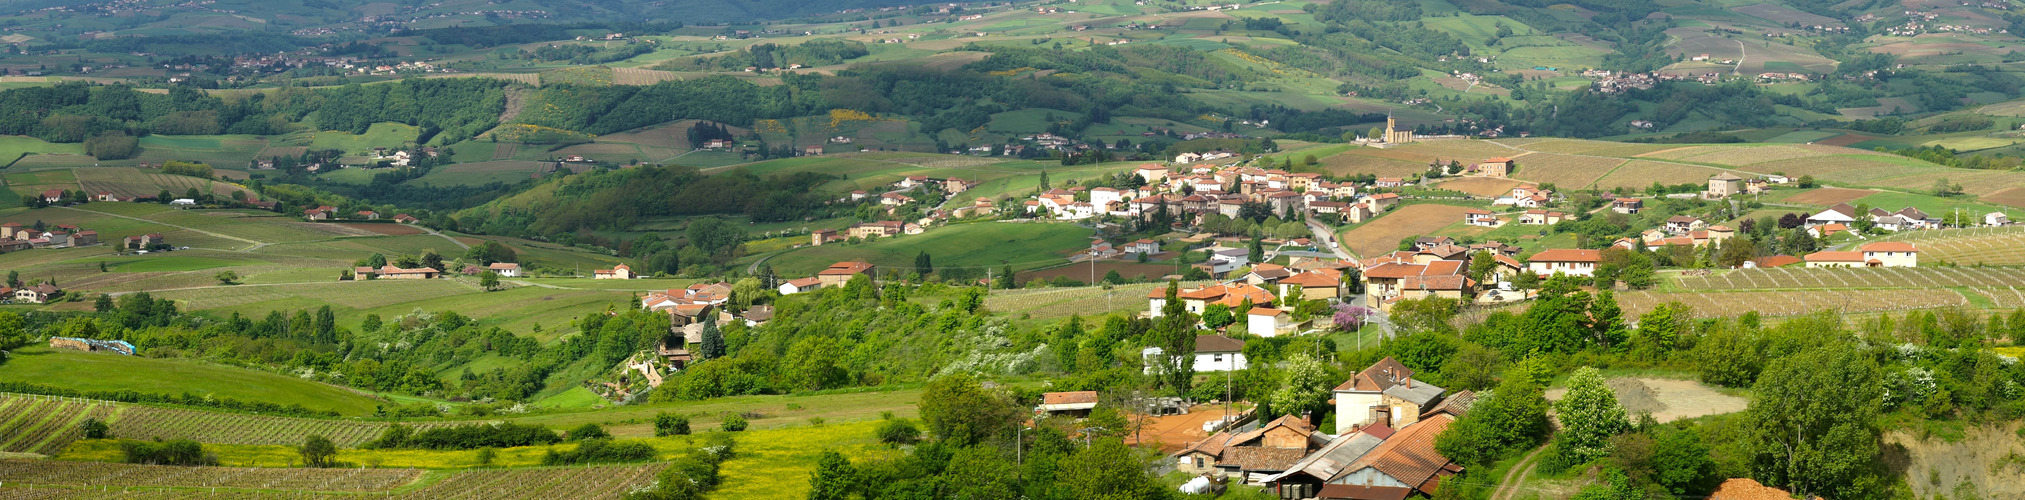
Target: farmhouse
column 1384, row 393
column 1841, row 213
column 52, row 196
column 618, row 272
column 1386, row 281
column 1724, row 185
column 91, row 345
column 505, row 269
column 803, row 285
column 396, row 273
column 33, row 294
column 1494, row 167
column 1880, row 254
column 1682, row 224
column 1480, row 217
column 1268, row 322
column 1074, row 403
column 1627, row 205
column 1251, row 456
column 1538, row 217
column 880, row 229
column 842, row 272
column 1213, row 353
column 320, row 213
column 1572, row 262
column 406, row 219
column 143, row 242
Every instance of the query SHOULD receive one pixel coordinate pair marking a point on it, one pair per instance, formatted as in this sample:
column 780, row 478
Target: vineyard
column 45, row 424
column 1846, row 279
column 49, row 479
column 1990, row 246
column 1792, row 303
column 42, row 424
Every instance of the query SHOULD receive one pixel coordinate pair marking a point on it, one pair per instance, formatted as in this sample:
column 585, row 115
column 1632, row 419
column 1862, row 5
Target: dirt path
column 1515, row 479
column 253, row 244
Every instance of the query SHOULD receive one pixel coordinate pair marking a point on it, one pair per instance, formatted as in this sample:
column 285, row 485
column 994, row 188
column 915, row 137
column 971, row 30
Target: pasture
column 974, row 245
column 58, row 368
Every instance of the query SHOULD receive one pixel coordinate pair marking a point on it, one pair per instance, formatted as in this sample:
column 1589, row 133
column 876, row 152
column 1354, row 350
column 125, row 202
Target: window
column 1217, row 358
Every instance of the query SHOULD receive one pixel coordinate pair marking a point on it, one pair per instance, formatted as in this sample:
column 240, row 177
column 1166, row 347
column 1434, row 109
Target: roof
column 1890, row 246
column 1826, row 256
column 1264, row 311
column 1360, row 492
column 805, row 282
column 1567, row 255
column 1261, row 458
column 1409, row 454
column 1776, row 261
column 1683, row 219
column 1436, row 282
column 1726, row 176
column 1217, row 343
column 1055, row 398
column 502, row 266
column 845, row 268
column 1311, row 280
column 1748, row 489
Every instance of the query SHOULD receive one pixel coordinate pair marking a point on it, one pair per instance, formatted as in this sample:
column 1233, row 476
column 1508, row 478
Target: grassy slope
column 987, row 244
column 107, row 372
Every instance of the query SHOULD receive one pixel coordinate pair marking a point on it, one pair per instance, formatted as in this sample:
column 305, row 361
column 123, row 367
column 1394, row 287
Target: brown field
column 1844, row 140
column 2014, row 196
column 1582, row 147
column 1382, row 235
column 386, row 229
column 1347, row 163
column 1983, row 456
column 1567, row 171
column 1491, row 187
column 1790, row 303
column 1667, row 399
column 1082, row 271
column 638, row 76
column 1639, row 174
column 1784, row 16
column 1829, row 196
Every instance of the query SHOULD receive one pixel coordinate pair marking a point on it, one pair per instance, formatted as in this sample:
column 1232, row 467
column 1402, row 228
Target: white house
column 1213, row 353
column 1384, row 393
column 1266, row 321
column 1841, row 213
column 804, row 285
column 505, row 269
column 183, row 202
column 1996, row 219
column 1572, row 262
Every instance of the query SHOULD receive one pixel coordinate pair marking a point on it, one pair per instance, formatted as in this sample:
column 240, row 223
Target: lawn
column 111, row 372
column 978, row 245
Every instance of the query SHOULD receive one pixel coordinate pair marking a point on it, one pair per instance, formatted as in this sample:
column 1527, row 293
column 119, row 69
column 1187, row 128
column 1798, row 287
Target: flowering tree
column 1351, row 318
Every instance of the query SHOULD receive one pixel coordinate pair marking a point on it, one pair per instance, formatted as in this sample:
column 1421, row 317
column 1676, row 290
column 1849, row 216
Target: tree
column 733, row 423
column 317, row 451
column 489, row 280
column 961, row 412
column 1813, row 425
column 1305, row 387
column 431, row 260
column 1174, row 334
column 96, row 429
column 587, row 431
column 833, row 479
column 1109, row 470
column 103, row 304
column 227, row 277
column 1217, row 316
column 713, row 340
column 1513, row 417
column 1590, row 416
column 923, row 264
column 13, row 330
column 669, row 424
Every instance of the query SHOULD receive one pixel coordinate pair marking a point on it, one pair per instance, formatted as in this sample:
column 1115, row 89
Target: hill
column 59, row 368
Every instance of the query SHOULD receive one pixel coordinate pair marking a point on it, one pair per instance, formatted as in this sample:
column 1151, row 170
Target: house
column 1494, row 167
column 1725, row 184
column 505, row 269
column 1389, row 182
column 1480, row 217
column 1448, row 286
column 1313, row 285
column 840, row 273
column 1143, row 247
column 1213, row 353
column 406, row 219
column 1384, row 393
column 955, row 185
column 320, row 213
column 1772, row 261
column 1880, row 254
column 894, row 199
column 1996, row 219
column 1572, row 262
column 1266, row 274
column 143, row 242
column 52, row 196
column 91, row 345
column 618, row 272
column 1385, row 280
column 369, row 215
column 1841, row 213
column 1826, row 230
column 1405, row 464
column 1537, row 217
column 1627, row 205
column 1152, row 174
column 9, row 229
column 878, row 229
column 36, row 294
column 1195, row 301
column 803, row 285
column 1379, row 202
column 1682, row 224
column 1073, row 403
column 1251, row 456
column 396, row 273
column 1268, row 322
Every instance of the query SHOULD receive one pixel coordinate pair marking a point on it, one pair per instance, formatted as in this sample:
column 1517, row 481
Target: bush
column 465, row 437
column 96, row 429
column 177, row 452
column 587, row 431
column 734, row 423
column 600, row 450
column 113, row 146
column 669, row 424
column 898, row 432
column 317, row 451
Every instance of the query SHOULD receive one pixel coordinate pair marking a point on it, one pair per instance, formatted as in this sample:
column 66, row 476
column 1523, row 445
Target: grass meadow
column 61, row 368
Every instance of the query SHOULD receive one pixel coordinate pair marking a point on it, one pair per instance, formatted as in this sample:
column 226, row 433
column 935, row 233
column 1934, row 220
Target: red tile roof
column 1567, row 255
column 845, row 269
column 1409, row 454
column 1072, row 397
column 1826, row 256
column 1890, row 246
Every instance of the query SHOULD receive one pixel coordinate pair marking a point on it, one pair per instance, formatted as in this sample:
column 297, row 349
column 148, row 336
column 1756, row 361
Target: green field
column 13, row 146
column 112, row 372
column 387, row 135
column 978, row 245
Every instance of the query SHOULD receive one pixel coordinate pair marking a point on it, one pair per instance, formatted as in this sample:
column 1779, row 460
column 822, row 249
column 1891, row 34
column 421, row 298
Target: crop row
column 1792, row 302
column 57, row 472
column 102, row 480
column 1847, row 278
column 147, row 422
column 36, row 424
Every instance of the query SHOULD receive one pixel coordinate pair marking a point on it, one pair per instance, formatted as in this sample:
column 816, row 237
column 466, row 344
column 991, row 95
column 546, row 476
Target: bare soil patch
column 1829, row 196
column 1667, row 399
column 1174, row 432
column 1844, row 140
column 1481, row 186
column 2008, row 196
column 1985, row 457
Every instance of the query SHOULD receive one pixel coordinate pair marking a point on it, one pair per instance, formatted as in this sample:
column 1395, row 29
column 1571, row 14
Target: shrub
column 96, row 429
column 587, row 431
column 669, row 424
column 734, row 423
column 898, row 432
column 317, row 451
column 600, row 450
column 112, row 145
column 176, row 452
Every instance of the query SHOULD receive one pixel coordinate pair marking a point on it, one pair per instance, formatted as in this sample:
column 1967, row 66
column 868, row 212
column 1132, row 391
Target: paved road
column 1327, row 236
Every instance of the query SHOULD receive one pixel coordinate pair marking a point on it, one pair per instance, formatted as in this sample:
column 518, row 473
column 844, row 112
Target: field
column 976, row 245
column 1989, row 246
column 1480, row 186
column 1640, row 174
column 386, row 135
column 128, row 181
column 1089, row 301
column 1382, row 235
column 50, row 479
column 480, row 173
column 1854, row 278
column 56, row 367
column 148, row 422
column 1666, row 399
column 1713, row 304
column 37, row 424
column 1082, row 271
column 1829, row 196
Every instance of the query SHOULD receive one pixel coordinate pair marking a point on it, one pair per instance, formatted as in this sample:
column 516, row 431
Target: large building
column 840, row 273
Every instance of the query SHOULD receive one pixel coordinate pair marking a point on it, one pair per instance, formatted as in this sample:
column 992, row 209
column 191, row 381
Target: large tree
column 1590, row 415
column 961, row 412
column 1813, row 423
